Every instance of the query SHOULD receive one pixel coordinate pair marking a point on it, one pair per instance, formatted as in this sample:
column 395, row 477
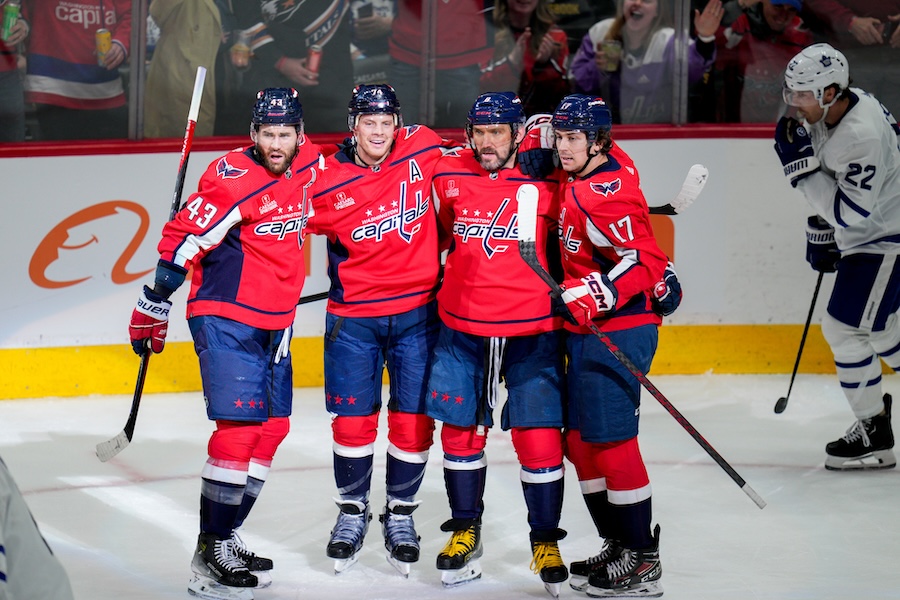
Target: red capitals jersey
column 604, row 225
column 242, row 233
column 381, row 229
column 488, row 290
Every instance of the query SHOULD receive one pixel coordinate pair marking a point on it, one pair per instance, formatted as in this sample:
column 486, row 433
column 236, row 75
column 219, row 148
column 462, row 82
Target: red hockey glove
column 149, row 322
column 588, row 297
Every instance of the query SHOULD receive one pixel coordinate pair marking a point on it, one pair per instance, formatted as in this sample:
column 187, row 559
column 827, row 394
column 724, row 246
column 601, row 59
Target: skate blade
column 578, row 583
column 457, row 577
column 880, row 459
column 207, row 589
column 402, row 567
column 343, row 564
column 553, row 588
column 263, row 579
column 652, row 589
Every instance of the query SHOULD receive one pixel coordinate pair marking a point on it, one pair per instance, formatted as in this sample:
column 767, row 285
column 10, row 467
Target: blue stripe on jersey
column 549, row 315
column 840, row 198
column 47, row 66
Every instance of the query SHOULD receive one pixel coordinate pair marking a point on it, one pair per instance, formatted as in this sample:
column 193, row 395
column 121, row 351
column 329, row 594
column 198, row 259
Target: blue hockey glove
column 821, row 250
column 795, row 150
column 667, row 294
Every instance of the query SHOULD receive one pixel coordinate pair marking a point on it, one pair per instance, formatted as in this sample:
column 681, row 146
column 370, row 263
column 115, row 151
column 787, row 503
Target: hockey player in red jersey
column 497, row 322
column 374, row 205
column 612, row 264
column 241, row 234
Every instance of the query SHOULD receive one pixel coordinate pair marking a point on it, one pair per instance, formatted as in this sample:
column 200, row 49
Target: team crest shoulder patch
column 226, row 170
column 607, row 187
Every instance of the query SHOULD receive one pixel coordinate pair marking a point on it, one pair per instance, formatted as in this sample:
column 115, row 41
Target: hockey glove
column 667, row 294
column 795, row 150
column 588, row 297
column 536, row 155
column 821, row 250
column 149, row 322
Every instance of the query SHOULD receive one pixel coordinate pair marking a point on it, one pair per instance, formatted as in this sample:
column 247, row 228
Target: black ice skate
column 400, row 538
column 547, row 562
column 348, row 534
column 634, row 574
column 581, row 570
column 257, row 565
column 219, row 573
column 458, row 561
column 866, row 445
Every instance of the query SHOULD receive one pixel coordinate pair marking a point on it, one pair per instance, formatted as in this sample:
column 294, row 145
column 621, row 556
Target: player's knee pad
column 461, row 441
column 410, row 432
column 622, row 465
column 538, row 447
column 234, row 441
column 580, row 455
column 846, row 342
column 273, row 433
column 355, row 431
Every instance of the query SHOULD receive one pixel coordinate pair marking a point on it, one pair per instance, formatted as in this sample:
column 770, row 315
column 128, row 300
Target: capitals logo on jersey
column 488, row 229
column 400, row 217
column 607, row 187
column 226, row 171
column 571, row 244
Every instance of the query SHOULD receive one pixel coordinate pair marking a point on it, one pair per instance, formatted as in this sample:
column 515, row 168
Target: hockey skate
column 866, row 445
column 548, row 563
column 580, row 571
column 458, row 561
column 348, row 534
column 219, row 573
column 257, row 565
column 400, row 538
column 634, row 574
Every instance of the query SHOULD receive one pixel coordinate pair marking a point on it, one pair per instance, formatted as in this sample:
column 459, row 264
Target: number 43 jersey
column 241, row 232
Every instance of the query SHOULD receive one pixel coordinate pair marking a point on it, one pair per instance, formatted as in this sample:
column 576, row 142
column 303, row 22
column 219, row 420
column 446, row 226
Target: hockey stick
column 106, row 450
column 690, row 189
column 312, row 298
column 527, row 198
column 782, row 402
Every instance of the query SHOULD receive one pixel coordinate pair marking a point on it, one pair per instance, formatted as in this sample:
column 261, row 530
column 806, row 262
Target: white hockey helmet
column 811, row 71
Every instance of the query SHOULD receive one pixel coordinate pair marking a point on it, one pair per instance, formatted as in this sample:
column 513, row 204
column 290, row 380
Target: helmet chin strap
column 590, row 157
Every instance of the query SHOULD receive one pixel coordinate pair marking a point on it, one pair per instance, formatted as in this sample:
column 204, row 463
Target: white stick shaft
column 527, row 200
column 198, row 93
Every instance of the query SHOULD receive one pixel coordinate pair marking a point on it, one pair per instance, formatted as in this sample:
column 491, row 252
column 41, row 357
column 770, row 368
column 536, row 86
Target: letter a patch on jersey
column 607, row 188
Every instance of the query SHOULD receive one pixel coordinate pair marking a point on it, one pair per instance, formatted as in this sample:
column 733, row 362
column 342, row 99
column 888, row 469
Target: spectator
column 638, row 84
column 28, row 568
column 867, row 33
column 190, row 36
column 78, row 93
column 575, row 17
column 308, row 49
column 463, row 43
column 372, row 21
column 530, row 55
column 12, row 100
column 751, row 56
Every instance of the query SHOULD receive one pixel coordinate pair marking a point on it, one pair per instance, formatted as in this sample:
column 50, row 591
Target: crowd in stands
column 65, row 68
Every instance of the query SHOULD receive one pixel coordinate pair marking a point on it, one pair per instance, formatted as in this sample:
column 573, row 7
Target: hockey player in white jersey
column 845, row 159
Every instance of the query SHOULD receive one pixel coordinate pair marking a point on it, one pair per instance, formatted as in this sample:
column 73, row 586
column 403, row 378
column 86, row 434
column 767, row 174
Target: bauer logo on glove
column 795, row 150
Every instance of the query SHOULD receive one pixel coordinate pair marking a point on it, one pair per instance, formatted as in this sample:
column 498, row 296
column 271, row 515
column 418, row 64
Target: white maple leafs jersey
column 858, row 188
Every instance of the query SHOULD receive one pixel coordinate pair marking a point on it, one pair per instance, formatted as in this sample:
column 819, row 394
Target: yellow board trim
column 683, row 349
